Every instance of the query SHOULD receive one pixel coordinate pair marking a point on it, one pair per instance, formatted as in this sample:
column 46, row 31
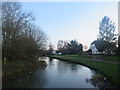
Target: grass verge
column 112, row 58
column 108, row 69
column 77, row 56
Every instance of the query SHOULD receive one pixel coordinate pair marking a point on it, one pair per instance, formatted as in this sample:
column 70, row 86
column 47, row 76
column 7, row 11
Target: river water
column 57, row 74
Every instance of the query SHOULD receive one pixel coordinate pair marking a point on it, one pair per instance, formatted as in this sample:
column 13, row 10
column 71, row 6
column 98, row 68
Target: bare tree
column 19, row 33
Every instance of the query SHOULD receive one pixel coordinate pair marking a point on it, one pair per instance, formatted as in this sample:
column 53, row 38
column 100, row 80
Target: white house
column 99, row 47
column 94, row 50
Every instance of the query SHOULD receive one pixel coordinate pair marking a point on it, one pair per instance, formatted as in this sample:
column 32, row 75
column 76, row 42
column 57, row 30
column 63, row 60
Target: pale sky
column 72, row 20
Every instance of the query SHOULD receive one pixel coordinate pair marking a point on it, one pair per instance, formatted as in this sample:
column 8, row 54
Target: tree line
column 21, row 38
column 72, row 47
column 108, row 40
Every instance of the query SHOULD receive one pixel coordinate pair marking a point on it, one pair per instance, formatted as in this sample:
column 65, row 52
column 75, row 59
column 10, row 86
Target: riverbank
column 108, row 69
column 16, row 69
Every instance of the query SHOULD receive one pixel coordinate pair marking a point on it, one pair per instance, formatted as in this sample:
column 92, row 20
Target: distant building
column 59, row 53
column 95, row 49
column 99, row 47
column 54, row 52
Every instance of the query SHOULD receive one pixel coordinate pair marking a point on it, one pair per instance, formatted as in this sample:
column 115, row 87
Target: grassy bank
column 78, row 56
column 15, row 69
column 108, row 69
column 112, row 58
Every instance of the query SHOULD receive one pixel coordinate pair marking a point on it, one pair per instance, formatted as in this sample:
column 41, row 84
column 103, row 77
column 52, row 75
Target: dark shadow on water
column 100, row 81
column 36, row 79
column 74, row 68
column 50, row 61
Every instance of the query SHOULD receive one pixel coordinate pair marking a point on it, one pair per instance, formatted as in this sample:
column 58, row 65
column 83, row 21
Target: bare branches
column 18, row 29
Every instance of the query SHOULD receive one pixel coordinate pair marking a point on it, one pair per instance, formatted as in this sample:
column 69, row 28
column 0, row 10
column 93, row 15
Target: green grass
column 112, row 58
column 108, row 69
column 15, row 69
column 78, row 56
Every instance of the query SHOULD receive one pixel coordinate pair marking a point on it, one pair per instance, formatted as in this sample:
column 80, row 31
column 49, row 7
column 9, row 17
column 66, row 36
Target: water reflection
column 57, row 74
column 50, row 61
column 61, row 67
column 74, row 68
column 35, row 80
column 41, row 64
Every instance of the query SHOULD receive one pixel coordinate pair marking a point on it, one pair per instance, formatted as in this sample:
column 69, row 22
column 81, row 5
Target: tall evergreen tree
column 106, row 30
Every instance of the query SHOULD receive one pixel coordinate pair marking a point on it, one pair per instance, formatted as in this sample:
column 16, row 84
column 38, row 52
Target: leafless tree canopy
column 21, row 37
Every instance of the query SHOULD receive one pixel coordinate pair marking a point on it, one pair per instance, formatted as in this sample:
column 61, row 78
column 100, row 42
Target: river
column 57, row 74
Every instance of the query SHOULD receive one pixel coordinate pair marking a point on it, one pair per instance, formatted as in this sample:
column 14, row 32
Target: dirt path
column 96, row 58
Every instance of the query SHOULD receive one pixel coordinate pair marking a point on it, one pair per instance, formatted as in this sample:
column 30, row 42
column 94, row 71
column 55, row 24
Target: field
column 112, row 58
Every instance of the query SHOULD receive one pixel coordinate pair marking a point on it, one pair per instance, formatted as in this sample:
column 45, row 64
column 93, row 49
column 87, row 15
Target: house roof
column 101, row 45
